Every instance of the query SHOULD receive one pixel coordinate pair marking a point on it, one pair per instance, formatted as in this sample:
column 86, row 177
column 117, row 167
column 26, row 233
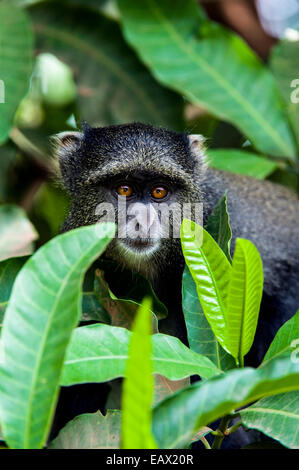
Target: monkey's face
column 146, row 210
column 140, row 177
column 139, row 220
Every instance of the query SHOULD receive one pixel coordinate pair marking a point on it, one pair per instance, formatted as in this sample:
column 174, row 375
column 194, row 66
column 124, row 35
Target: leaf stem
column 221, row 432
column 233, row 428
column 241, row 361
column 205, row 443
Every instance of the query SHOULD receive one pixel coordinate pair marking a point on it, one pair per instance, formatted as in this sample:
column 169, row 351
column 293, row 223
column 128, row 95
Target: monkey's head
column 141, row 177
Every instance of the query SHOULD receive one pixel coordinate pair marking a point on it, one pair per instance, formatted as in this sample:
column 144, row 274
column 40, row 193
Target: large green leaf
column 201, row 338
column 138, row 386
column 277, row 416
column 244, row 297
column 210, row 270
column 284, row 64
column 90, row 431
column 16, row 232
column 44, row 307
column 241, row 162
column 113, row 86
column 286, row 339
column 176, row 419
column 200, row 335
column 16, row 54
column 211, row 66
column 98, row 353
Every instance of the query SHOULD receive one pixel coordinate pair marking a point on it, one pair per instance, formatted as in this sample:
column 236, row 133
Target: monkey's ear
column 66, row 143
column 196, row 142
column 197, row 150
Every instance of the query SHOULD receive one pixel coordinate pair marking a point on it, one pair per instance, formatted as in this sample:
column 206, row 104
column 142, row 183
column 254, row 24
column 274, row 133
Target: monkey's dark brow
column 97, row 177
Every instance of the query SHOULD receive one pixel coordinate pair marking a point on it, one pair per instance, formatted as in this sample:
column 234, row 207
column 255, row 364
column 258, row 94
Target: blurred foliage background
column 223, row 69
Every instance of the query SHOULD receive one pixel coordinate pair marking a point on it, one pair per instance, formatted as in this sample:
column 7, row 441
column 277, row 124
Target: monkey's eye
column 159, row 192
column 125, row 190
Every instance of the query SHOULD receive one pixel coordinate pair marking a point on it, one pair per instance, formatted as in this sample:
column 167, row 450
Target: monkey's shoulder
column 270, row 202
column 264, row 212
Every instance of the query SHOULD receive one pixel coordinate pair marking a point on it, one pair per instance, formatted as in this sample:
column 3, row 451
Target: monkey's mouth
column 139, row 243
column 140, row 246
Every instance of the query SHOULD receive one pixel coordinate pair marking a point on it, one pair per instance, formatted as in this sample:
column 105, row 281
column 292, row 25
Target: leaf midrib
column 244, row 303
column 214, row 282
column 270, row 411
column 125, row 357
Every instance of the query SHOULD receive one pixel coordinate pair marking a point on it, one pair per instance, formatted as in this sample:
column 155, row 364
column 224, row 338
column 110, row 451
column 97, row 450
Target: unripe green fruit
column 55, row 80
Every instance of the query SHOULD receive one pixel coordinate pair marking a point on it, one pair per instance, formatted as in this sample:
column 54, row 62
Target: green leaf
column 176, row 419
column 16, row 56
column 130, row 286
column 100, row 304
column 201, row 338
column 93, row 301
column 113, row 87
column 241, row 162
column 121, row 291
column 8, row 272
column 138, row 386
column 200, row 335
column 286, row 339
column 92, row 310
column 90, row 431
column 245, row 292
column 190, row 54
column 284, row 64
column 98, row 353
column 43, row 310
column 210, row 270
column 277, row 416
column 218, row 226
column 16, row 232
